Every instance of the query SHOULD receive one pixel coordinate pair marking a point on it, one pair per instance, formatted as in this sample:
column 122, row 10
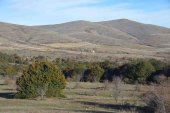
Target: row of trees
column 139, row 70
column 42, row 77
column 11, row 65
column 13, row 58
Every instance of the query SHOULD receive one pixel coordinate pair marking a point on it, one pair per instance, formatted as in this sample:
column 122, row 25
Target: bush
column 139, row 70
column 154, row 102
column 158, row 65
column 2, row 69
column 39, row 75
column 157, row 77
column 11, row 70
column 95, row 73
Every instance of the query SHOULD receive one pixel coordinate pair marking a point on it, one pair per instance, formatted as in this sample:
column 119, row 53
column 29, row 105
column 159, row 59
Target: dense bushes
column 93, row 74
column 14, row 58
column 41, row 77
column 11, row 65
column 139, row 71
column 158, row 65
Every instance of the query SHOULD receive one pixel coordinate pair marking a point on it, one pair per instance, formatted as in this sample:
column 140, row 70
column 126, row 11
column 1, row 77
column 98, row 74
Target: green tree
column 158, row 65
column 139, row 70
column 41, row 75
column 11, row 70
column 2, row 69
column 96, row 73
column 107, row 64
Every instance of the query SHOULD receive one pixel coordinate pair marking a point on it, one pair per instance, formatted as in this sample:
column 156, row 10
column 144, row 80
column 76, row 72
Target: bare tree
column 155, row 102
column 10, row 82
column 156, row 97
column 135, row 92
column 117, row 83
column 137, row 86
column 106, row 84
column 78, row 78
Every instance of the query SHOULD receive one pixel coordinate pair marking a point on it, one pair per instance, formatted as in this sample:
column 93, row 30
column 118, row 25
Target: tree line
column 137, row 70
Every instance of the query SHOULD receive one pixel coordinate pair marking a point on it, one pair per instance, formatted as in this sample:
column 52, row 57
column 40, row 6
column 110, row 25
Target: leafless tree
column 10, row 82
column 106, row 85
column 157, row 96
column 78, row 78
column 155, row 102
column 117, row 83
column 135, row 92
column 137, row 86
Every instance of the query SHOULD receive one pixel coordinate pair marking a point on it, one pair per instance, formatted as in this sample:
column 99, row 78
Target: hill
column 116, row 38
column 145, row 33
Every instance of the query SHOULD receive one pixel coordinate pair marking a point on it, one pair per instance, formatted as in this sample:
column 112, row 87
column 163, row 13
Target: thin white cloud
column 160, row 17
column 48, row 4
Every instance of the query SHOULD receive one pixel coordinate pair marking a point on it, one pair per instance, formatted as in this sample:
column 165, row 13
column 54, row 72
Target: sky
column 42, row 12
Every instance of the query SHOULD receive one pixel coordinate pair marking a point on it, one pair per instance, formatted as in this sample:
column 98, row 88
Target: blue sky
column 40, row 12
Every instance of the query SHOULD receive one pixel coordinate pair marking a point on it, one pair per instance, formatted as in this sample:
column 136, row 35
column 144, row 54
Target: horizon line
column 82, row 20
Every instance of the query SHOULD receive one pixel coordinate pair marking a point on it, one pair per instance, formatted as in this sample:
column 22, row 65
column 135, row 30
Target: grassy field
column 85, row 97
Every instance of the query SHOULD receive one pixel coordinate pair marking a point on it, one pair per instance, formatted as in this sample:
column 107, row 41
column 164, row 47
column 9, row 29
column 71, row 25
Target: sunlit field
column 79, row 98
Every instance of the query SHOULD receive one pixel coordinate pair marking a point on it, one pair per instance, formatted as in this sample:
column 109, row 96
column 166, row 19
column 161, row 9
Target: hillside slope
column 117, row 38
column 92, row 32
column 145, row 33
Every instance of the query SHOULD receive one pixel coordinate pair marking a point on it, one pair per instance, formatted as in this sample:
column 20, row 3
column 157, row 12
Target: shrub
column 154, row 102
column 159, row 78
column 11, row 70
column 71, row 68
column 158, row 65
column 96, row 73
column 2, row 69
column 107, row 64
column 38, row 75
column 139, row 70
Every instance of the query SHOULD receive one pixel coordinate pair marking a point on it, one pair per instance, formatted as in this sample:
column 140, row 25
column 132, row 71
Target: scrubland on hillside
column 117, row 66
column 43, row 85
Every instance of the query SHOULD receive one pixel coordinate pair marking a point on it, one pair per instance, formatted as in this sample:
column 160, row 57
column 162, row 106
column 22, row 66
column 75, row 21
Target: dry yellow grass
column 70, row 45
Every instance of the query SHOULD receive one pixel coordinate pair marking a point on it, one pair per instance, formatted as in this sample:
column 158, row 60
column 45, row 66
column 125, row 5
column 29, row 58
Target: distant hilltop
column 118, row 38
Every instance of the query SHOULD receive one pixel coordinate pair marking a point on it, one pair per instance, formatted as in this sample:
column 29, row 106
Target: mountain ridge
column 122, row 35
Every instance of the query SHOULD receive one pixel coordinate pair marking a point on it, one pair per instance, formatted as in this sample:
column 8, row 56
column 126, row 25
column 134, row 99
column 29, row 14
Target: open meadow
column 79, row 98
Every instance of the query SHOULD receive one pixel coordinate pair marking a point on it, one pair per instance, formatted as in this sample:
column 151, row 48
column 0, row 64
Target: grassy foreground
column 85, row 97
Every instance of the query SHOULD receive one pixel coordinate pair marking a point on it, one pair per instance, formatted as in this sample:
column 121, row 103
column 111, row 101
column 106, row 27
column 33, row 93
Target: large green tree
column 139, row 70
column 41, row 76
